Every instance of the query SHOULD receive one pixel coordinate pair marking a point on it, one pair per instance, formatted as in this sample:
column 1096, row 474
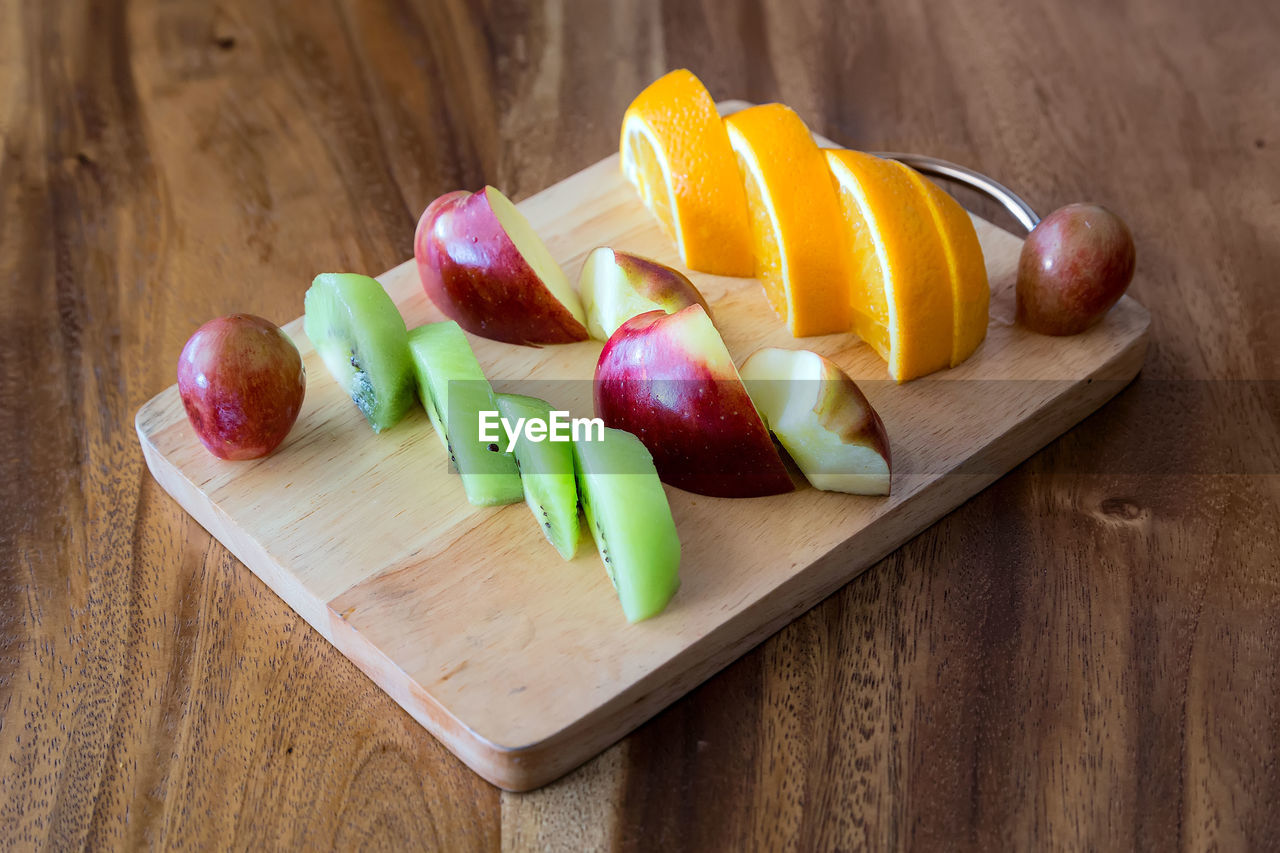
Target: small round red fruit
column 1074, row 266
column 242, row 381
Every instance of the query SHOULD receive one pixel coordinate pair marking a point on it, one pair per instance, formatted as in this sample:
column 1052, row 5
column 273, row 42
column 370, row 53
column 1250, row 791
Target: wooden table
column 1085, row 655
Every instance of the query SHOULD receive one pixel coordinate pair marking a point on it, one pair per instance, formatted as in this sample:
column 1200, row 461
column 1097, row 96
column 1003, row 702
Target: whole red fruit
column 242, row 382
column 1074, row 266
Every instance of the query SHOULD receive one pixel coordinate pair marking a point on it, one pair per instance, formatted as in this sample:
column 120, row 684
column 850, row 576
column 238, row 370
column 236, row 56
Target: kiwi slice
column 361, row 337
column 630, row 519
column 454, row 392
column 546, row 470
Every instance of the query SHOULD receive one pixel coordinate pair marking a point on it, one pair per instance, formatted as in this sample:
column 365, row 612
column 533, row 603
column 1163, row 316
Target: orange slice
column 798, row 234
column 675, row 152
column 970, row 291
column 900, row 283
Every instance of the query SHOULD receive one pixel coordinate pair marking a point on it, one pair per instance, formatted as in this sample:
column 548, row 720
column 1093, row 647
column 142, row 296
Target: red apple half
column 483, row 265
column 616, row 286
column 668, row 379
column 822, row 418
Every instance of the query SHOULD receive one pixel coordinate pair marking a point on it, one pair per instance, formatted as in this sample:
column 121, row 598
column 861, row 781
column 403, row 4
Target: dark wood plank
column 1083, row 655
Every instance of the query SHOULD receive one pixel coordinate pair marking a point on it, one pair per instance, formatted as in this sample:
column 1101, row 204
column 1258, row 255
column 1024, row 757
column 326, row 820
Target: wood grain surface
column 1083, row 656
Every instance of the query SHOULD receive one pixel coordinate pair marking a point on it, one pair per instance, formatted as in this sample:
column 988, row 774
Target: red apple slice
column 668, row 379
column 616, row 286
column 483, row 265
column 822, row 418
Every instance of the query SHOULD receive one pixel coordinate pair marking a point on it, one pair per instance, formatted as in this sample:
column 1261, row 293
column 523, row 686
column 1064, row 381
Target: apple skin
column 474, row 273
column 616, row 286
column 668, row 379
column 242, row 382
column 1074, row 266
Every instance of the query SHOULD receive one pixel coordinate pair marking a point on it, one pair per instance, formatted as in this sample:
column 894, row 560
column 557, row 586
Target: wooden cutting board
column 522, row 663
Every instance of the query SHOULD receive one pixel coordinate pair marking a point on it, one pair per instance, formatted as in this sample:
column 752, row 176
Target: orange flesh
column 651, row 185
column 798, row 237
column 969, row 287
column 901, row 289
column 705, row 209
column 768, row 260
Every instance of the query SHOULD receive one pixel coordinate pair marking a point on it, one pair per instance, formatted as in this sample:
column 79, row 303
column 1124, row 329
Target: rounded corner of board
column 516, row 769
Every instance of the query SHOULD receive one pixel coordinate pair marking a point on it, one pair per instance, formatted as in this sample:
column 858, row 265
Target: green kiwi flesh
column 630, row 520
column 454, row 391
column 546, row 470
column 361, row 337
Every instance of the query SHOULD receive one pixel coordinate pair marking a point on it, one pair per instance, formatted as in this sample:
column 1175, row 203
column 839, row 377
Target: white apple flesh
column 483, row 265
column 616, row 286
column 822, row 418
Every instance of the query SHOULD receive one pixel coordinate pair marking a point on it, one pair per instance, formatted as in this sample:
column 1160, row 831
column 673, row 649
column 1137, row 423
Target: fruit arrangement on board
column 843, row 242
